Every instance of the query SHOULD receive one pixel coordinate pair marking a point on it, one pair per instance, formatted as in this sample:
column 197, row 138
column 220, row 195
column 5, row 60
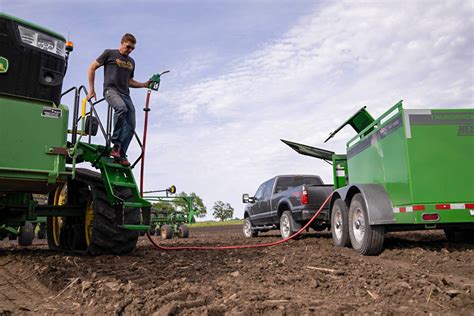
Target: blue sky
column 246, row 73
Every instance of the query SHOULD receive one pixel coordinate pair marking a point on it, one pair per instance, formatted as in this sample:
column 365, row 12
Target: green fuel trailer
column 406, row 170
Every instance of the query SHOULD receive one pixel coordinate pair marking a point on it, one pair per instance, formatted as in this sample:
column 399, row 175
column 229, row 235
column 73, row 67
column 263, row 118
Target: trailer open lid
column 310, row 151
column 359, row 121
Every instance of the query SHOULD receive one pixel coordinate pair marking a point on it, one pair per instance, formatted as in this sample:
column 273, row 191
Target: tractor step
column 116, row 165
column 123, row 184
column 134, row 204
column 136, row 227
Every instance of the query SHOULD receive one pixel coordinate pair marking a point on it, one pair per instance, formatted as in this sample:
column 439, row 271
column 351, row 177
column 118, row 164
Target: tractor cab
column 32, row 60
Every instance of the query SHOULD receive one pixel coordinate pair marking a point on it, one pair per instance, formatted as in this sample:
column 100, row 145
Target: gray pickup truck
column 286, row 202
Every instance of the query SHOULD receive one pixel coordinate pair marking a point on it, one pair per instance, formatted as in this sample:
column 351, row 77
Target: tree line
column 221, row 211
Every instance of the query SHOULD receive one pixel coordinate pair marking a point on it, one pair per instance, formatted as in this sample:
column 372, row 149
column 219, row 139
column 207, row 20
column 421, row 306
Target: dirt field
column 417, row 273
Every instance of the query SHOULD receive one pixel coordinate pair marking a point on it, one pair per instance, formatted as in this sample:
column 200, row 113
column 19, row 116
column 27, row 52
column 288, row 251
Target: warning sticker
column 50, row 112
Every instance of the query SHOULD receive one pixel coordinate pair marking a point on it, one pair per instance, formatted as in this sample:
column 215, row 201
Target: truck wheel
column 365, row 239
column 26, row 235
column 166, row 232
column 339, row 224
column 247, row 229
column 183, row 231
column 287, row 225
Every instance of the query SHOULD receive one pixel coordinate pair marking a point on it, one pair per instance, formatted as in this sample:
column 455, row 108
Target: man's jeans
column 124, row 118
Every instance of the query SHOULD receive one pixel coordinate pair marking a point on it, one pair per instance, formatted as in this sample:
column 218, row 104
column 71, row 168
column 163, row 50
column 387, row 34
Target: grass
column 218, row 223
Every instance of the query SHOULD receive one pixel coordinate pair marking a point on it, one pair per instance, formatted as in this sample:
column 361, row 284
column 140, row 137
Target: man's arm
column 91, row 76
column 135, row 84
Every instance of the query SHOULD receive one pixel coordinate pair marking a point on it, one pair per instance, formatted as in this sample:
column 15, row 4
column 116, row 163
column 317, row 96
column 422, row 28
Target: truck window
column 259, row 193
column 267, row 191
column 285, row 183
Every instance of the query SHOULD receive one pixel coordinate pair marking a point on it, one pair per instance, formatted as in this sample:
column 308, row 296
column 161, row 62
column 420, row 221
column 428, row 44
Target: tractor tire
column 288, row 225
column 26, row 235
column 183, row 231
column 166, row 232
column 365, row 239
column 42, row 231
column 107, row 237
column 100, row 233
column 340, row 224
column 247, row 229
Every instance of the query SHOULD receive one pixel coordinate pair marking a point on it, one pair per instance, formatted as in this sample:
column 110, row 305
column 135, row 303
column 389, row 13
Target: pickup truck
column 286, row 202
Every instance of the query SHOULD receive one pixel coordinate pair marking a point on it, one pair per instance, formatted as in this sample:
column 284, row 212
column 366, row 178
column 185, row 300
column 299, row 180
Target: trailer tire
column 26, row 235
column 287, row 225
column 183, row 231
column 459, row 236
column 247, row 229
column 340, row 224
column 166, row 232
column 365, row 239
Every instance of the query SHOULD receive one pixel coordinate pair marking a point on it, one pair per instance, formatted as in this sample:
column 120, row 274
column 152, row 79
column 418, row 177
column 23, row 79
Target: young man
column 119, row 69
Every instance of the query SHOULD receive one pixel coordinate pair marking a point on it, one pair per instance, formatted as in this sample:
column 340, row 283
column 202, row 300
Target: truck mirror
column 245, row 198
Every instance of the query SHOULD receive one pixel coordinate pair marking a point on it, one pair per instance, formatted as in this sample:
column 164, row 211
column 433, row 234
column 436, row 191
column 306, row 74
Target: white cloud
column 219, row 136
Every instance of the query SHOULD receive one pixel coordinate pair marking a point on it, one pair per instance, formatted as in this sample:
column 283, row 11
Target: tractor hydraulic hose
column 241, row 246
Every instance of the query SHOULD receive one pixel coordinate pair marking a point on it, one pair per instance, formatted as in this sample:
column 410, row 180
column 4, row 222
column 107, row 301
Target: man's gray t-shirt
column 118, row 69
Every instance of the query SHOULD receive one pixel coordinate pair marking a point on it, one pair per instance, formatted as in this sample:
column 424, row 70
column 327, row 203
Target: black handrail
column 106, row 132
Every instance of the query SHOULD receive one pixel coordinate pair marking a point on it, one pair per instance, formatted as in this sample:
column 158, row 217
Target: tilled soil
column 417, row 273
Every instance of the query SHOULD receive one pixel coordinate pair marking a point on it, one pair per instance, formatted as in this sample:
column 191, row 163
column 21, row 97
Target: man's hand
column 91, row 95
column 146, row 84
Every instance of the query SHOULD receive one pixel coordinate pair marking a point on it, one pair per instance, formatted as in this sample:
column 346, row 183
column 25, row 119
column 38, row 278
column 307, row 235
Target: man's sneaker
column 115, row 152
column 122, row 161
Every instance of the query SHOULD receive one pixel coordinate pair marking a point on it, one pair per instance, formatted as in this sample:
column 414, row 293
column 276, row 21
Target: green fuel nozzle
column 155, row 81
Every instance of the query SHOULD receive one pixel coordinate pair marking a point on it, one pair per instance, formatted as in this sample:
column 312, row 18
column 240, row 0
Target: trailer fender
column 378, row 204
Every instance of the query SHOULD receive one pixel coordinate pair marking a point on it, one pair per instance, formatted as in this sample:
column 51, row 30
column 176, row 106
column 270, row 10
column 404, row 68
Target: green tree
column 198, row 206
column 164, row 206
column 222, row 211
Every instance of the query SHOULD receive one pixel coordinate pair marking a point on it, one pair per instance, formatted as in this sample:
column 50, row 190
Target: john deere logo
column 3, row 65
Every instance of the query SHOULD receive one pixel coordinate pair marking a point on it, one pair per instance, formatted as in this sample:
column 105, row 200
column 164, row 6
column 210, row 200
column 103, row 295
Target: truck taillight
column 304, row 196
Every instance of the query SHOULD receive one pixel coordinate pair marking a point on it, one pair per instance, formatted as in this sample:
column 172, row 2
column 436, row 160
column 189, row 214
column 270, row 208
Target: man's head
column 127, row 44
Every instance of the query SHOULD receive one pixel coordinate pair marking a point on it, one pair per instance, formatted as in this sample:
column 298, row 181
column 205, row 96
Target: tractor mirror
column 91, row 126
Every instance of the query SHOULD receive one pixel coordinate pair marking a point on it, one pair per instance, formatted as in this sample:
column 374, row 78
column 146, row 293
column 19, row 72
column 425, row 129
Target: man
column 119, row 69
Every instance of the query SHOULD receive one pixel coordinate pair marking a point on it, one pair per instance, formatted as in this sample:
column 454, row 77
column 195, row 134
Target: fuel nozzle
column 155, row 81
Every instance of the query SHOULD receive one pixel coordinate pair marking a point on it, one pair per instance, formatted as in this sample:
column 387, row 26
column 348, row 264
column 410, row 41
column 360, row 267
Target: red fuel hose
column 147, row 109
column 145, row 128
column 241, row 246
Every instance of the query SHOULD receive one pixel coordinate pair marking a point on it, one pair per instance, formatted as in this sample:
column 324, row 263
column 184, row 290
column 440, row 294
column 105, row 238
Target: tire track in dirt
column 417, row 273
column 19, row 289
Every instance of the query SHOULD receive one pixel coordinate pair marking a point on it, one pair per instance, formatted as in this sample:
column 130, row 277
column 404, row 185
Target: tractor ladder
column 118, row 179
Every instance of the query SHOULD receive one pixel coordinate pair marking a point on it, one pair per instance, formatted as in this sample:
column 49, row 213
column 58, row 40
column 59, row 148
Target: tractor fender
column 377, row 202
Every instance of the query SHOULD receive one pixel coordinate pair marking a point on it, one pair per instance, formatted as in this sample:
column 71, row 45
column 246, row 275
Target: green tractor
column 87, row 211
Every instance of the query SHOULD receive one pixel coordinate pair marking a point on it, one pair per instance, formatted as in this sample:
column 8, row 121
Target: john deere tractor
column 93, row 212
